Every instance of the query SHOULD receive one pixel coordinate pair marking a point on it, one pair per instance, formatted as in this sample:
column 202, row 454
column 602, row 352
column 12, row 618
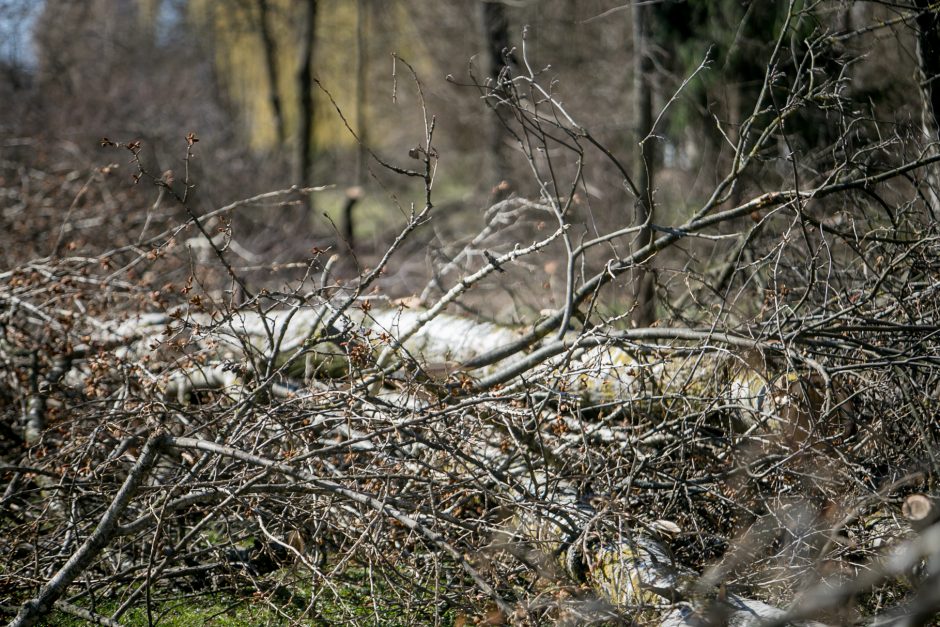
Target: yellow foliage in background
column 240, row 60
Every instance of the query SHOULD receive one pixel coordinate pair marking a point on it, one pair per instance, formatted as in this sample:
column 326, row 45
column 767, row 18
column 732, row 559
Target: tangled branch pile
column 171, row 429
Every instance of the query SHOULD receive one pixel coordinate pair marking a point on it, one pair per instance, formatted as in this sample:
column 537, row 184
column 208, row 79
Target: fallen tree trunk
column 733, row 374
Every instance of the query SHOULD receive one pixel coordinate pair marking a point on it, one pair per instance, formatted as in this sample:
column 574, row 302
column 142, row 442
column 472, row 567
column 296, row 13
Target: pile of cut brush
column 171, row 432
column 669, row 474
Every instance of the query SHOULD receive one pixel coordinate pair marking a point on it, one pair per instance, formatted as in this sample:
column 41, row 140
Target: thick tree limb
column 36, row 608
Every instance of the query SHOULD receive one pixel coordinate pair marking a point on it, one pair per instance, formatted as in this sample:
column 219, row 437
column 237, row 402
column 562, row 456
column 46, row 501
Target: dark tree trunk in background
column 347, row 226
column 644, row 311
column 496, row 35
column 928, row 57
column 305, row 147
column 353, row 194
column 269, row 45
column 362, row 73
column 928, row 51
column 496, row 31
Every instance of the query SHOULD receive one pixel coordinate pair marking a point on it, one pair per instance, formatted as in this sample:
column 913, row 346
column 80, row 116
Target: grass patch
column 352, row 598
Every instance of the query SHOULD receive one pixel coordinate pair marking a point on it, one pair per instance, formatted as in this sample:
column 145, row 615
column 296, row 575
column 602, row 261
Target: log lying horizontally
column 585, row 370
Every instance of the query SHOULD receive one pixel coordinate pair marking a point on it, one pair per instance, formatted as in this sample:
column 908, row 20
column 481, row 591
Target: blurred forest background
column 278, row 91
column 492, row 296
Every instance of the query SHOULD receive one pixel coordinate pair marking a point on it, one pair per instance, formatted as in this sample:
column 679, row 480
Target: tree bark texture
column 269, row 45
column 305, row 143
column 645, row 305
column 928, row 58
column 496, row 37
column 33, row 610
column 928, row 50
column 362, row 73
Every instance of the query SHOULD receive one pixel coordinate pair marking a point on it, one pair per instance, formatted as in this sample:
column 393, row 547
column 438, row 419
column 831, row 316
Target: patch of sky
column 17, row 19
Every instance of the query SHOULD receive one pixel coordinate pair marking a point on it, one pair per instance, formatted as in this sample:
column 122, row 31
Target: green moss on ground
column 350, row 599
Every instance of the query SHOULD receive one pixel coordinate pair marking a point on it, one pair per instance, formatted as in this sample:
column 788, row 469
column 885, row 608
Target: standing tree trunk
column 305, row 147
column 928, row 57
column 354, row 193
column 928, row 52
column 269, row 45
column 496, row 35
column 644, row 292
column 362, row 73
